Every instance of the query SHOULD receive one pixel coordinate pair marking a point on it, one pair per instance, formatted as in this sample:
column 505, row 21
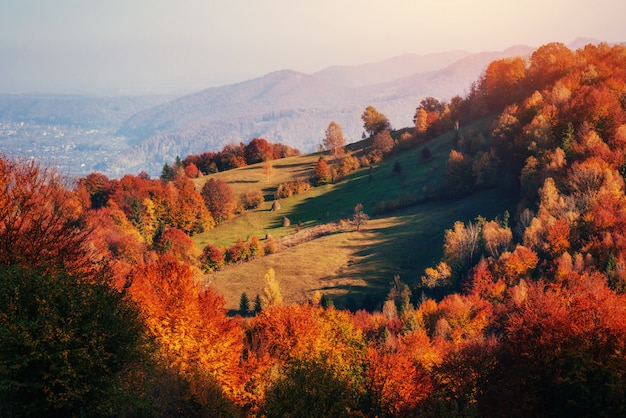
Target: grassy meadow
column 353, row 267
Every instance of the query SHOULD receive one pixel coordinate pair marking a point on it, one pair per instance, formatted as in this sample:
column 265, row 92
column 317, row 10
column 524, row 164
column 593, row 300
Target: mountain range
column 295, row 108
column 283, row 106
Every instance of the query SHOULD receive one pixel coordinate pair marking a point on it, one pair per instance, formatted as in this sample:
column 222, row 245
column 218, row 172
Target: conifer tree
column 258, row 305
column 244, row 304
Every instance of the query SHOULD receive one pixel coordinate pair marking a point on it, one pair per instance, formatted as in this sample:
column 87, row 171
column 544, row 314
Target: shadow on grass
column 405, row 243
column 244, row 181
column 281, row 166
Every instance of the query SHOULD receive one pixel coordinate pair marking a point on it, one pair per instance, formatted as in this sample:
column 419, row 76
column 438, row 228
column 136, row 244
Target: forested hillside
column 107, row 306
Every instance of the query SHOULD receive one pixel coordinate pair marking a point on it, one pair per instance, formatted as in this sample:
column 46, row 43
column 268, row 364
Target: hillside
column 352, row 267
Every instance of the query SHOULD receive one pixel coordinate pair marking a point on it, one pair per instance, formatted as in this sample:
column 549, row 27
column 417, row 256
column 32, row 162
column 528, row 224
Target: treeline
column 233, row 156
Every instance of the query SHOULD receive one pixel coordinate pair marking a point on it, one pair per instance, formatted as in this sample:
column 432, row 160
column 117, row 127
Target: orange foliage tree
column 219, row 199
column 397, row 385
column 194, row 336
column 41, row 222
column 316, row 348
column 563, row 345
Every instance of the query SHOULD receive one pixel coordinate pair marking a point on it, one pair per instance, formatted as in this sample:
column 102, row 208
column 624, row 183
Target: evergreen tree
column 244, row 304
column 168, row 173
column 258, row 306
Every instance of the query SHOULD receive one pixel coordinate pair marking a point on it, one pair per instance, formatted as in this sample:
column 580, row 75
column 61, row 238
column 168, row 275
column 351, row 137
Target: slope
column 353, row 267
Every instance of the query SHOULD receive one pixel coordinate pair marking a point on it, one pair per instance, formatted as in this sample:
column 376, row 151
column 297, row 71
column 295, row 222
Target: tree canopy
column 374, row 122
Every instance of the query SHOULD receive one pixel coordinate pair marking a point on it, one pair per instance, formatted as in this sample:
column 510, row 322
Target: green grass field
column 351, row 266
column 326, row 203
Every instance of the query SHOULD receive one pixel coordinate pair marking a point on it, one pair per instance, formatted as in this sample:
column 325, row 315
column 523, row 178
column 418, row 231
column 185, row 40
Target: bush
column 255, row 248
column 375, row 156
column 212, row 258
column 322, row 174
column 252, row 199
column 271, row 247
column 347, row 165
column 402, row 202
column 292, row 188
column 238, row 252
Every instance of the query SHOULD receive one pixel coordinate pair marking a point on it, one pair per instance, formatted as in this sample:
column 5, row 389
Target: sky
column 180, row 46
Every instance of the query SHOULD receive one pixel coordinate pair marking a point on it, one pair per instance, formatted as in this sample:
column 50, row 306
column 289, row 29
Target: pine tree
column 258, row 306
column 168, row 173
column 244, row 304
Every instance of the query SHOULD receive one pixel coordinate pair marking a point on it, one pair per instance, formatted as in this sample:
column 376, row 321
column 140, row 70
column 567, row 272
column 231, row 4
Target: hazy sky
column 135, row 46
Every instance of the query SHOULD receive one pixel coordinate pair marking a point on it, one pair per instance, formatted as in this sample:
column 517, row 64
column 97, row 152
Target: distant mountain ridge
column 295, row 108
column 388, row 70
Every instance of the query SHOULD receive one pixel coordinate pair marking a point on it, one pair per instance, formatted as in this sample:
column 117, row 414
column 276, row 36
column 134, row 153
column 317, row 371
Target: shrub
column 292, row 188
column 271, row 247
column 212, row 258
column 321, row 174
column 375, row 156
column 238, row 252
column 255, row 248
column 252, row 199
column 347, row 165
column 402, row 202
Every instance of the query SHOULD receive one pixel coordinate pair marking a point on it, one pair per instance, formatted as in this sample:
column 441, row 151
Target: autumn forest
column 106, row 307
